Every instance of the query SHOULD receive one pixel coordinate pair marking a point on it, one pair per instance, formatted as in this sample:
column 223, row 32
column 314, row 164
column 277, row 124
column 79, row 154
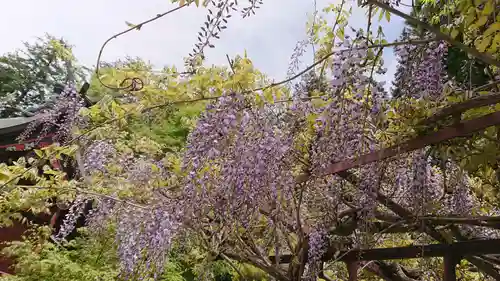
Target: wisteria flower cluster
column 61, row 118
column 144, row 238
column 75, row 212
column 422, row 68
column 247, row 160
column 318, row 243
column 248, row 164
column 97, row 155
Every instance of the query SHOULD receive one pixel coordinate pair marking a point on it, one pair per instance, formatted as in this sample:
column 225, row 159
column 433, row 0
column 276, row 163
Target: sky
column 269, row 37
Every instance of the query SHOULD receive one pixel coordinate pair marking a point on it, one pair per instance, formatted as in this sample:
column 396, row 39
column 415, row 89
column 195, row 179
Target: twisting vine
column 135, row 83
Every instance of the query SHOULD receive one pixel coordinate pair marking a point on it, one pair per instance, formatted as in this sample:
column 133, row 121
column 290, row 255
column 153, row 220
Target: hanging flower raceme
column 413, row 182
column 458, row 195
column 318, row 243
column 355, row 97
column 97, row 155
column 75, row 212
column 100, row 214
column 144, row 237
column 142, row 170
column 421, row 72
column 344, row 126
column 238, row 160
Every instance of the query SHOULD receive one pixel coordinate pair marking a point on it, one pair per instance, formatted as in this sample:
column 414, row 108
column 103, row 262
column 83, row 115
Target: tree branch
column 440, row 35
column 233, row 266
column 136, row 27
column 480, row 101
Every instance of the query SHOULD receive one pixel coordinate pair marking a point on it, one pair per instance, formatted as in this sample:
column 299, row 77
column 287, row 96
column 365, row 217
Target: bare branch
column 233, row 265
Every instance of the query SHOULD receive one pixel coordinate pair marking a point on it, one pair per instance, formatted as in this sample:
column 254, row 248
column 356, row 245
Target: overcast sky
column 269, row 37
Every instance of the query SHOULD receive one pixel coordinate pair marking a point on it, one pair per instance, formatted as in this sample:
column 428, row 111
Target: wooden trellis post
column 449, row 265
column 352, row 269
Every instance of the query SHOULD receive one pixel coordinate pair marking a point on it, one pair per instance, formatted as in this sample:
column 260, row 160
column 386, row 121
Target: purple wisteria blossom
column 249, row 155
column 421, row 72
column 75, row 212
column 97, row 155
column 318, row 243
column 62, row 117
column 144, row 237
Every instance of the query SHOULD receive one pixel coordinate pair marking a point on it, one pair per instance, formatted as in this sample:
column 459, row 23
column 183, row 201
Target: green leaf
column 495, row 43
column 258, row 100
column 471, row 15
column 340, row 33
column 481, row 21
column 268, row 95
column 4, row 176
column 488, row 8
column 491, row 29
column 388, row 16
column 39, row 153
column 482, row 44
column 454, row 33
column 131, row 25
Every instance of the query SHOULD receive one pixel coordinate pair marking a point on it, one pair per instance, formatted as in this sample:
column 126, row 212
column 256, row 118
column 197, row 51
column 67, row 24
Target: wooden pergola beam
column 450, row 267
column 462, row 129
column 457, row 249
column 476, row 102
column 481, row 264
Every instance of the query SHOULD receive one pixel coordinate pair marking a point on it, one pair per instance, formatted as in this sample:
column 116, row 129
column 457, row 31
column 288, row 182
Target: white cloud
column 269, row 37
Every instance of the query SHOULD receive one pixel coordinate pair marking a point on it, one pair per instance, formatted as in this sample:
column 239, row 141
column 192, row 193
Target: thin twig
column 486, row 86
column 138, row 26
column 233, row 265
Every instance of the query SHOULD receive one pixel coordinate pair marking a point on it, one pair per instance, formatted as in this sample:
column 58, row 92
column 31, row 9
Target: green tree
column 31, row 76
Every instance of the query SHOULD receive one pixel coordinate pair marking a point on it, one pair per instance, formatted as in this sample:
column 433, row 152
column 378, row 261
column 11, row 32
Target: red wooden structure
column 11, row 150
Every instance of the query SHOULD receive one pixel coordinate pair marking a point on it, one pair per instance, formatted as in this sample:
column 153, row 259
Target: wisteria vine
column 249, row 163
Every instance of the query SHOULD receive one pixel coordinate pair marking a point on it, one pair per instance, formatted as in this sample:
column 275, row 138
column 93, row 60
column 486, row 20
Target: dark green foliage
column 467, row 72
column 29, row 77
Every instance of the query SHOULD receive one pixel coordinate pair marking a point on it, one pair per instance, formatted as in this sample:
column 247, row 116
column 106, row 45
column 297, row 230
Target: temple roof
column 15, row 121
column 17, row 124
column 14, row 124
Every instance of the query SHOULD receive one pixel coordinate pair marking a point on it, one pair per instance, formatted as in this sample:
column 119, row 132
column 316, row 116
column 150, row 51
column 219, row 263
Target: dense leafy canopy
column 240, row 169
column 31, row 77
